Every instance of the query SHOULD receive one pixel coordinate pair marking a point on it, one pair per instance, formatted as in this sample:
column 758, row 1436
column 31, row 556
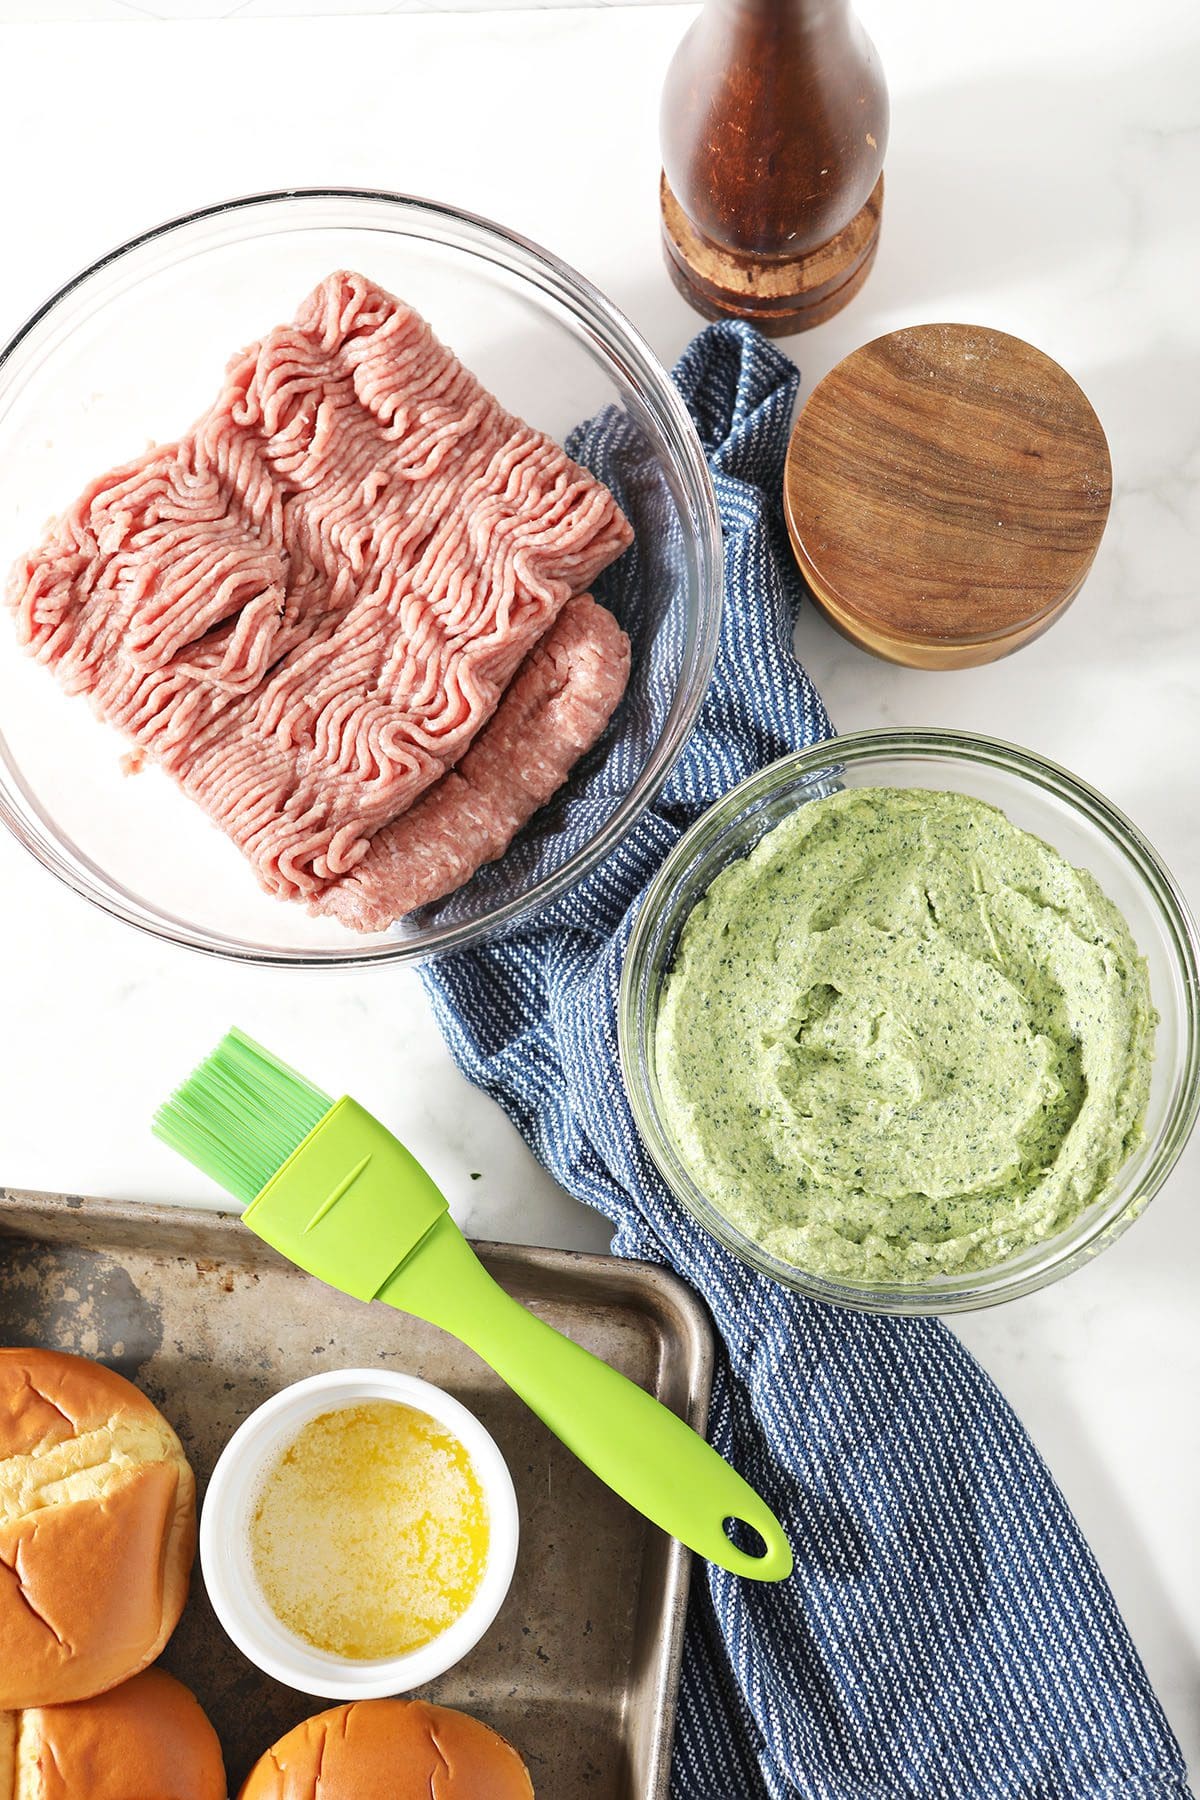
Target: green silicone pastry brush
column 325, row 1183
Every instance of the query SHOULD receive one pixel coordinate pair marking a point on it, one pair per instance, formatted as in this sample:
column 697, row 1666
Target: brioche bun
column 390, row 1750
column 97, row 1529
column 145, row 1740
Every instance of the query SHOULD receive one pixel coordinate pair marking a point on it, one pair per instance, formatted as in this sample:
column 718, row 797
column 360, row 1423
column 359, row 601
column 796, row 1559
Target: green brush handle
column 641, row 1449
column 331, row 1189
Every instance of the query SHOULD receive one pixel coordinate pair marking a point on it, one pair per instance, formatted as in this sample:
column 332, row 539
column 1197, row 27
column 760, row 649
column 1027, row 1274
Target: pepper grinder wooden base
column 778, row 294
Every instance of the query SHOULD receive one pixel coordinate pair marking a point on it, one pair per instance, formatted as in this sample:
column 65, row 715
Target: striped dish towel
column 946, row 1634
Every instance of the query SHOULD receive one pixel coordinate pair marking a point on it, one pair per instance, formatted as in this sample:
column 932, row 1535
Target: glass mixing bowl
column 1038, row 796
column 133, row 349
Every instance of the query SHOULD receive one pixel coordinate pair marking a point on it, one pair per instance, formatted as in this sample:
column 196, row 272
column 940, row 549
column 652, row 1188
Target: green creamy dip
column 904, row 1038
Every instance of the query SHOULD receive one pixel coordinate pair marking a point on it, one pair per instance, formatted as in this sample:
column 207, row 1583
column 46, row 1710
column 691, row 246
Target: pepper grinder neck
column 774, row 127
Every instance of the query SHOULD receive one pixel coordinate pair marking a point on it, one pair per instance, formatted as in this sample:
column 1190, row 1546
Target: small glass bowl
column 134, row 348
column 1041, row 798
column 228, row 1564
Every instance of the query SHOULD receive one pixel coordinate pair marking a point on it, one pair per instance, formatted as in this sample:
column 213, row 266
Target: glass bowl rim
column 625, row 349
column 979, row 1288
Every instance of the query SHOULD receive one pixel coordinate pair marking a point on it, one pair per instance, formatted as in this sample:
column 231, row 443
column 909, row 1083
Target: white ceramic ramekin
column 226, row 1561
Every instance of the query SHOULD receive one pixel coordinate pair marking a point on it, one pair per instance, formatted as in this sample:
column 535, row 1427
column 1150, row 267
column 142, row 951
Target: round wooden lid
column 946, row 491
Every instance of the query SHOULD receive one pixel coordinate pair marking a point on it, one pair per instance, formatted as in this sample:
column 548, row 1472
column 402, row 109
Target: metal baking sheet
column 581, row 1668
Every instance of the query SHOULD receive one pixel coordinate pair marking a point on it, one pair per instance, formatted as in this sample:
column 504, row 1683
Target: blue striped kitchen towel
column 946, row 1634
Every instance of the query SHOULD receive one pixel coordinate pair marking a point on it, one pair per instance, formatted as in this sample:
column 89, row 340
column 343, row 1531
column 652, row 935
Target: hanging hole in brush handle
column 743, row 1537
column 762, row 1551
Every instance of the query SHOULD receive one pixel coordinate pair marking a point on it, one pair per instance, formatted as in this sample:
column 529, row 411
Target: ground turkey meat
column 307, row 608
column 559, row 702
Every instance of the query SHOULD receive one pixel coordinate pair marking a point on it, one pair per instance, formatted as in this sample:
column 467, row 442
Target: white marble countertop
column 1042, row 177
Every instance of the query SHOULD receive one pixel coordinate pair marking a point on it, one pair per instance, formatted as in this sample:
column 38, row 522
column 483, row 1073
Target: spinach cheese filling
column 904, row 1038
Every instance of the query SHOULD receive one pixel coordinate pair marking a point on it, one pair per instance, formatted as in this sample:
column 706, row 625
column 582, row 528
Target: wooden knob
column 946, row 491
column 774, row 126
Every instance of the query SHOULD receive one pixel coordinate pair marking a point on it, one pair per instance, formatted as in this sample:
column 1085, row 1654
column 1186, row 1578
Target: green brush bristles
column 240, row 1115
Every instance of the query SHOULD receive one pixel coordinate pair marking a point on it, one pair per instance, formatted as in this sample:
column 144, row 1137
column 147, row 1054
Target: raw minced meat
column 307, row 607
column 557, row 705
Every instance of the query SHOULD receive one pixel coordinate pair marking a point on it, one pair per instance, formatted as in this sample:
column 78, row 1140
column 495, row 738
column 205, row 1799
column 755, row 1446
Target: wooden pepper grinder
column 774, row 127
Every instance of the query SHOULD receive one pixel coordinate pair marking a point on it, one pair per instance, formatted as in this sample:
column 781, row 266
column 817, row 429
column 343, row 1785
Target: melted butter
column 370, row 1534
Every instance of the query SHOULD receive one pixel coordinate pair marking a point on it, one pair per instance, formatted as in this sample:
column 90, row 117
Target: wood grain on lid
column 946, row 491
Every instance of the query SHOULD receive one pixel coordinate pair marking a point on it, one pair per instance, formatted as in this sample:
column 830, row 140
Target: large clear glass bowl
column 1038, row 796
column 133, row 349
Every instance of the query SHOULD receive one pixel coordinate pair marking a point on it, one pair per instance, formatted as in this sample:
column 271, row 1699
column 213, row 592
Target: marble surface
column 174, row 11
column 1042, row 177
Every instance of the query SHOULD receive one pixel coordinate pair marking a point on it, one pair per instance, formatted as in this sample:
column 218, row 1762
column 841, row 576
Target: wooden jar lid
column 946, row 491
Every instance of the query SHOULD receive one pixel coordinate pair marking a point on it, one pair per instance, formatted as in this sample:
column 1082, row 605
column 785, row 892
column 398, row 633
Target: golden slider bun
column 389, row 1750
column 97, row 1529
column 145, row 1740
